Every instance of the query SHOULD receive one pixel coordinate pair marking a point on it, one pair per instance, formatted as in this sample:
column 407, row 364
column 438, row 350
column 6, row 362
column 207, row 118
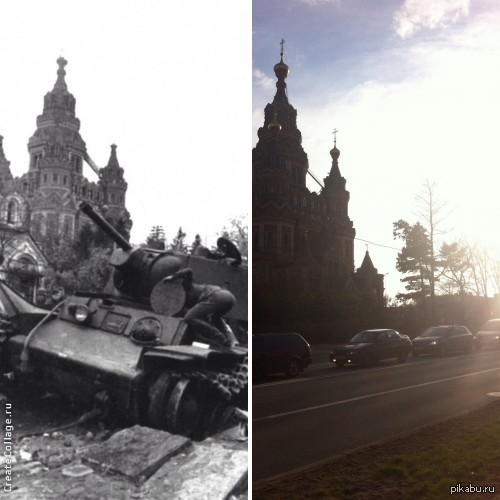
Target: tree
column 495, row 275
column 156, row 238
column 419, row 256
column 237, row 232
column 456, row 268
column 82, row 264
column 414, row 260
column 178, row 244
column 430, row 211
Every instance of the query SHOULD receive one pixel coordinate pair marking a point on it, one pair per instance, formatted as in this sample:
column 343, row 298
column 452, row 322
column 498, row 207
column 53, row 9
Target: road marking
column 367, row 396
column 347, row 371
column 343, row 373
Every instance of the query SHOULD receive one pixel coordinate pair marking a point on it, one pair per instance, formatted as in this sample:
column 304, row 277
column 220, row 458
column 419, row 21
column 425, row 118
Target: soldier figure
column 204, row 307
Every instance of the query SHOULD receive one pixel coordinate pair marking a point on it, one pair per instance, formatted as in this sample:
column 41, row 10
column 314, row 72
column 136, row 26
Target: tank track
column 228, row 383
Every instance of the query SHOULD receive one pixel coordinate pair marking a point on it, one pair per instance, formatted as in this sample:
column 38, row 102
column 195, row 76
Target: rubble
column 136, row 452
column 137, row 463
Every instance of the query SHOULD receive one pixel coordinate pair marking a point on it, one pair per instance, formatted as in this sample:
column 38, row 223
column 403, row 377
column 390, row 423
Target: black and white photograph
column 124, row 262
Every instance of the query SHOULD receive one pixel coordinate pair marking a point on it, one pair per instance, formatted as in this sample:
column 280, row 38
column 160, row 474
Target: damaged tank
column 131, row 350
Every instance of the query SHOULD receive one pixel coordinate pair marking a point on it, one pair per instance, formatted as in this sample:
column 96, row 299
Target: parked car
column 489, row 335
column 369, row 346
column 280, row 352
column 442, row 339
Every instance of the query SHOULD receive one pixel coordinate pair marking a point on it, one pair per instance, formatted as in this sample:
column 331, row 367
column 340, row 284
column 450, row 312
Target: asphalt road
column 327, row 411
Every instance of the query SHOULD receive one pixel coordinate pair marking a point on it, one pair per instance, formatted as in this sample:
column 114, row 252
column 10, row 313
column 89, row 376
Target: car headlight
column 434, row 342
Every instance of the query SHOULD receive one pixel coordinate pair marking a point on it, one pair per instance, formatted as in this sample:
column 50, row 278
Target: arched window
column 12, row 212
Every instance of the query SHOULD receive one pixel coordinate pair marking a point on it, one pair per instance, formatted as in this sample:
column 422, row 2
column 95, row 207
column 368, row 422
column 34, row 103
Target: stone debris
column 30, row 467
column 212, row 471
column 139, row 463
column 76, row 470
column 136, row 452
column 25, row 455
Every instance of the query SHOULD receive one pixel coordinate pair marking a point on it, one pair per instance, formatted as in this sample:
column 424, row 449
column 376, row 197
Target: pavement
column 326, row 411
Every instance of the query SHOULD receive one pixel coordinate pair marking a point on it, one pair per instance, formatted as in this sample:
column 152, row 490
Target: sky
column 412, row 87
column 168, row 82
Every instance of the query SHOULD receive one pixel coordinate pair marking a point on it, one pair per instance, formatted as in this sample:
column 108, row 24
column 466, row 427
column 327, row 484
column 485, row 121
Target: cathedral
column 303, row 241
column 43, row 202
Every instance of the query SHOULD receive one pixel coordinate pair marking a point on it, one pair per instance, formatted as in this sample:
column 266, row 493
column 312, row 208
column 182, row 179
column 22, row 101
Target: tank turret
column 137, row 270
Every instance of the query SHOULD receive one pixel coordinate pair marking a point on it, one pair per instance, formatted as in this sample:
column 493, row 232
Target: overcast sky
column 168, row 81
column 412, row 87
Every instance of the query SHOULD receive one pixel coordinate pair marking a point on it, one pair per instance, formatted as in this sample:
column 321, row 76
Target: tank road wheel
column 190, row 408
column 159, row 393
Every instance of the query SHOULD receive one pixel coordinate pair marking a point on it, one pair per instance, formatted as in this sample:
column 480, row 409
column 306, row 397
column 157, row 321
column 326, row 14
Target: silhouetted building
column 302, row 240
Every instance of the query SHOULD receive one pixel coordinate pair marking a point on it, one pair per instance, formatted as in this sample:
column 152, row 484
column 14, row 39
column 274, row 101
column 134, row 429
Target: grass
column 425, row 464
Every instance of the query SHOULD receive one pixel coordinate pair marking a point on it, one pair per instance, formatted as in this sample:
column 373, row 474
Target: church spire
column 281, row 71
column 59, row 103
column 5, row 173
column 60, row 84
column 367, row 264
column 335, row 153
column 334, row 180
column 3, row 160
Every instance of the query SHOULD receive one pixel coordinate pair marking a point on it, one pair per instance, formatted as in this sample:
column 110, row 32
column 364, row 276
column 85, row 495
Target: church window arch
column 12, row 212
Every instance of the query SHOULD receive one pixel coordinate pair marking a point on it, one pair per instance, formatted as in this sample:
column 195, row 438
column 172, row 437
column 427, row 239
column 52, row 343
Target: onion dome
column 61, row 82
column 335, row 153
column 281, row 70
column 274, row 126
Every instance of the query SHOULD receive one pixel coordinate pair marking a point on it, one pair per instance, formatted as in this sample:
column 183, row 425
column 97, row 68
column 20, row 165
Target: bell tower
column 54, row 184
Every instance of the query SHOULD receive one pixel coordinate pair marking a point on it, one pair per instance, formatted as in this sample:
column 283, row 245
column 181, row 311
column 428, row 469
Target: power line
column 378, row 244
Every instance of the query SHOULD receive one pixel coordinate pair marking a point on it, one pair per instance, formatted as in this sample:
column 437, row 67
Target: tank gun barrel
column 88, row 210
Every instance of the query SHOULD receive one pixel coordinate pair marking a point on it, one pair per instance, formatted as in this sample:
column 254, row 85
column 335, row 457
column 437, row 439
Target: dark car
column 440, row 340
column 280, row 352
column 369, row 346
column 489, row 335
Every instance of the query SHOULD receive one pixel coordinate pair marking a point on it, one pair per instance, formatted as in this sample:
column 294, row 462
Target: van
column 280, row 352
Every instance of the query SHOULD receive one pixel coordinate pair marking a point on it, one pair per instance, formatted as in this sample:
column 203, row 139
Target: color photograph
column 375, row 255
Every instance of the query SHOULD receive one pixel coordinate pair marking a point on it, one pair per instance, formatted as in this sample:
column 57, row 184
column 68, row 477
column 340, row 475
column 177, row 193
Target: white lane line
column 359, row 398
column 312, row 378
column 344, row 373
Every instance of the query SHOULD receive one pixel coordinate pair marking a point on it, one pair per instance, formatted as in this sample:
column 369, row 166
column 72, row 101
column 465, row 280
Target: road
column 327, row 411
